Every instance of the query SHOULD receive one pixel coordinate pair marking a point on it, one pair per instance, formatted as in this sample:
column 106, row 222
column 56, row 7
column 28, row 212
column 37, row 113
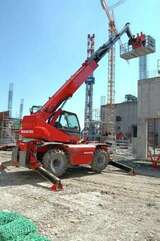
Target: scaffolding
column 89, row 91
column 8, row 129
column 95, row 126
column 153, row 135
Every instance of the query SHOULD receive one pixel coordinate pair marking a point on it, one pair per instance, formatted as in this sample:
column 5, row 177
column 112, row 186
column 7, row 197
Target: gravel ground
column 111, row 206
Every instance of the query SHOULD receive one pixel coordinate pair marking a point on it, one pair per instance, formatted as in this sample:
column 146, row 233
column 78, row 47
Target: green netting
column 32, row 237
column 17, row 228
column 7, row 217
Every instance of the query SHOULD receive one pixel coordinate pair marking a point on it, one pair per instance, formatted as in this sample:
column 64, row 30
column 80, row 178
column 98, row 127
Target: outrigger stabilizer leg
column 57, row 185
column 125, row 168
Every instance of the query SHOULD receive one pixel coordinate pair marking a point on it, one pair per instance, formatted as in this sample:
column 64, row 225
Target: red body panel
column 37, row 128
column 30, row 150
column 81, row 153
column 77, row 154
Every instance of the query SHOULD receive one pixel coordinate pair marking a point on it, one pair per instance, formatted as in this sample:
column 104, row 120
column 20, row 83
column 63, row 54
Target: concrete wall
column 148, row 107
column 128, row 113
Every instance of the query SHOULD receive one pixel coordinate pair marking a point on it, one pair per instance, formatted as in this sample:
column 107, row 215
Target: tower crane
column 109, row 126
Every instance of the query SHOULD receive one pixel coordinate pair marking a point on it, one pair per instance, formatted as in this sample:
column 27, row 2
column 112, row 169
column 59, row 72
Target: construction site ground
column 111, row 206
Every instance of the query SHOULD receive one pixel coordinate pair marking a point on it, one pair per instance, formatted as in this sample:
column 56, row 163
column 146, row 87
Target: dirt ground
column 111, row 206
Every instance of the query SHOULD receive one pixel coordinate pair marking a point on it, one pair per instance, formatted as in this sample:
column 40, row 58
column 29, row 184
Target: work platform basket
column 127, row 52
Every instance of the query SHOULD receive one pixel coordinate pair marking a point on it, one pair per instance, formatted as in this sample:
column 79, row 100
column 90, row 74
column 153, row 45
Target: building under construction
column 125, row 122
column 9, row 126
column 148, row 117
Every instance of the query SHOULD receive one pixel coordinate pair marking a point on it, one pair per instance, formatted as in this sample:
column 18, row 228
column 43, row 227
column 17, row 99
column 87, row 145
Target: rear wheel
column 100, row 161
column 55, row 161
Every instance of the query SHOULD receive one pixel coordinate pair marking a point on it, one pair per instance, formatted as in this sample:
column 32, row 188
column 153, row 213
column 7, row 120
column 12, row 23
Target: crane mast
column 109, row 126
column 89, row 91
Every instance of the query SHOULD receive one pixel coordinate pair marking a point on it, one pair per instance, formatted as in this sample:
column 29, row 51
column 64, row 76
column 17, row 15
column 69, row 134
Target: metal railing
column 149, row 43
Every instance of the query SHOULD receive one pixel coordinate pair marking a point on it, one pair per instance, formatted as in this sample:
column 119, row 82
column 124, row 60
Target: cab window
column 68, row 121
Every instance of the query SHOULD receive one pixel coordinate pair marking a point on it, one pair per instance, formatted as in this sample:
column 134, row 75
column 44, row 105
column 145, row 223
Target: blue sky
column 43, row 42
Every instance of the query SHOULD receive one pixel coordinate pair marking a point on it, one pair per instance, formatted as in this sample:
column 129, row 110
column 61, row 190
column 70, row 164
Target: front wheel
column 55, row 161
column 100, row 161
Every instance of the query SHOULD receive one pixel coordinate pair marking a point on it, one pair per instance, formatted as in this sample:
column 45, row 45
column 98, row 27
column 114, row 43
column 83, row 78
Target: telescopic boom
column 80, row 76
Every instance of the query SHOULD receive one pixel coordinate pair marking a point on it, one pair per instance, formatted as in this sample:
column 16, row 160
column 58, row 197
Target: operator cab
column 69, row 123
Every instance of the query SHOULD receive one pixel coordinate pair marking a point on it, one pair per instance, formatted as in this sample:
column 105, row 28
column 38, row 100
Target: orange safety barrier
column 154, row 159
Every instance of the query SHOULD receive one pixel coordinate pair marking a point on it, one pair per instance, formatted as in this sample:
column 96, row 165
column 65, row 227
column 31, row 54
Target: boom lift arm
column 71, row 86
column 100, row 53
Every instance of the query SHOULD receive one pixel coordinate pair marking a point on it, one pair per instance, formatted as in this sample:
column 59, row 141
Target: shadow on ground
column 20, row 178
column 78, row 172
column 29, row 177
column 24, row 177
column 141, row 167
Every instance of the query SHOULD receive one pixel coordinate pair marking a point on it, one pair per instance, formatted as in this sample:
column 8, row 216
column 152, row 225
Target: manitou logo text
column 27, row 131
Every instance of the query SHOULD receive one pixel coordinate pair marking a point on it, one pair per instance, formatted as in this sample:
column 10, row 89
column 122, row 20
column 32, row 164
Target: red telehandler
column 50, row 137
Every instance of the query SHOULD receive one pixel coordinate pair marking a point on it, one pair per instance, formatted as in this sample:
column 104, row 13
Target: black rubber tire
column 100, row 161
column 55, row 161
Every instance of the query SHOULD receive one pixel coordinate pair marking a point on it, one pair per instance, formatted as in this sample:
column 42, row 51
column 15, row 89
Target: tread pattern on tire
column 98, row 166
column 49, row 159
